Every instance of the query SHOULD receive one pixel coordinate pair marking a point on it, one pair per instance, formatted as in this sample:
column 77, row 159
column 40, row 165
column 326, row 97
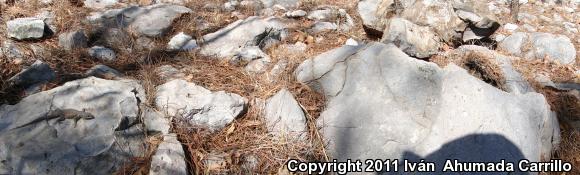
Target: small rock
column 72, row 40
column 38, row 73
column 529, row 28
column 181, row 42
column 25, row 28
column 248, row 54
column 251, row 4
column 102, row 53
column 155, row 121
column 284, row 116
column 351, row 42
column 510, row 27
column 325, row 14
column 415, row 40
column 99, row 4
column 288, row 4
column 295, row 14
column 540, row 46
column 11, row 51
column 104, row 72
column 169, row 157
column 231, row 5
column 320, row 27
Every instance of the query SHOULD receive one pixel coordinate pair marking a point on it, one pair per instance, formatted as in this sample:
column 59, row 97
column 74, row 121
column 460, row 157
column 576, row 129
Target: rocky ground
column 241, row 87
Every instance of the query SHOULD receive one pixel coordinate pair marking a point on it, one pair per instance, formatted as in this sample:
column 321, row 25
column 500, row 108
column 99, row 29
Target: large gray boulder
column 152, row 21
column 383, row 104
column 539, row 46
column 25, row 28
column 227, row 41
column 199, row 106
column 415, row 40
column 284, row 116
column 31, row 142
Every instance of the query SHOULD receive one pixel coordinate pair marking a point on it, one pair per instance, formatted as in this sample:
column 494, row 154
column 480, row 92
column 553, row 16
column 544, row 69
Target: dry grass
column 478, row 64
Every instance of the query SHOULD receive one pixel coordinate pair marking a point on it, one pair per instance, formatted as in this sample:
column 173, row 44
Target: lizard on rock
column 61, row 115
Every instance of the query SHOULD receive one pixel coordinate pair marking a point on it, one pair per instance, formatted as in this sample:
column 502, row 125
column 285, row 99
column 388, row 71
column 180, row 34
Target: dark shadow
column 470, row 148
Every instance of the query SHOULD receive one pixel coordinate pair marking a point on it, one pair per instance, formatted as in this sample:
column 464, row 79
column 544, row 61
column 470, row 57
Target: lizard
column 61, row 115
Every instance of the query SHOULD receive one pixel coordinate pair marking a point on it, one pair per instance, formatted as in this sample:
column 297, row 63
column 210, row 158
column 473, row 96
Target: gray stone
column 25, row 28
column 383, row 104
column 100, row 145
column 115, row 38
column 201, row 107
column 249, row 32
column 251, row 4
column 155, row 121
column 169, row 158
column 320, row 27
column 481, row 22
column 104, row 72
column 38, row 73
column 288, row 4
column 182, row 42
column 168, row 72
column 295, row 14
column 373, row 13
column 323, row 14
column 540, row 46
column 11, row 50
column 99, row 4
column 351, row 42
column 72, row 40
column 152, row 21
column 102, row 53
column 437, row 14
column 284, row 116
column 415, row 40
column 248, row 54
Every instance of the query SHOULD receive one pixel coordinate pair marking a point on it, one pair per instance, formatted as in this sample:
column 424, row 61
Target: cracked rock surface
column 30, row 144
column 383, row 104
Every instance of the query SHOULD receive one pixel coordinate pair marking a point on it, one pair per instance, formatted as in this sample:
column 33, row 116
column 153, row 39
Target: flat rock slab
column 25, row 28
column 151, row 21
column 225, row 42
column 383, row 104
column 38, row 73
column 199, row 106
column 31, row 144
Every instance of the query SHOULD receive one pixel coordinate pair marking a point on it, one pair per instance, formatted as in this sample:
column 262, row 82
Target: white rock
column 351, row 42
column 25, row 28
column 415, row 40
column 102, row 53
column 169, row 158
column 295, row 14
column 182, row 42
column 201, row 107
column 510, row 27
column 100, row 4
column 284, row 116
